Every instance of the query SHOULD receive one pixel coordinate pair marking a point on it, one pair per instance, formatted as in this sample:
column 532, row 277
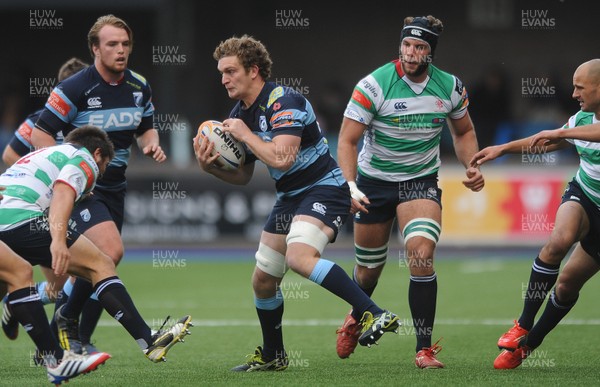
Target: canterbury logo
column 94, row 102
column 416, row 32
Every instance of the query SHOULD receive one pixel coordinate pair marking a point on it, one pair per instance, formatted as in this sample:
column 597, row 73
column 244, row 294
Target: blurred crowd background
column 516, row 58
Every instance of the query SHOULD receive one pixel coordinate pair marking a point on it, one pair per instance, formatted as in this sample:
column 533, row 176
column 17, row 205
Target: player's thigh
column 571, row 225
column 372, row 235
column 16, row 272
column 106, row 237
column 87, row 261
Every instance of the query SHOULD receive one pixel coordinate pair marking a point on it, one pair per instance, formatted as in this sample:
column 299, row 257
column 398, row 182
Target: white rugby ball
column 232, row 152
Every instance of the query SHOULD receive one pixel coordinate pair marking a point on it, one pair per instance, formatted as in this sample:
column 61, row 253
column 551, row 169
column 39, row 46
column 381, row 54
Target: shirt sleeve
column 58, row 112
column 80, row 173
column 459, row 99
column 365, row 102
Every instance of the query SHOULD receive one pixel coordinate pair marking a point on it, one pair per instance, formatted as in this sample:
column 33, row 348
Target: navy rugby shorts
column 32, row 240
column 100, row 207
column 385, row 196
column 590, row 243
column 329, row 204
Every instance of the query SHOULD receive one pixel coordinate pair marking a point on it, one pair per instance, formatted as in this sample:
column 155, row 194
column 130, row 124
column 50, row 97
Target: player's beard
column 421, row 69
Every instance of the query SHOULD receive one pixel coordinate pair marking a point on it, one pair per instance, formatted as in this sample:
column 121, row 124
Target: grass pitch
column 477, row 301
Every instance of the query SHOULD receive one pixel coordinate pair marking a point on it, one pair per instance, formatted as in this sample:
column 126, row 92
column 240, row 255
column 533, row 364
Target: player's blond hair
column 107, row 20
column 249, row 51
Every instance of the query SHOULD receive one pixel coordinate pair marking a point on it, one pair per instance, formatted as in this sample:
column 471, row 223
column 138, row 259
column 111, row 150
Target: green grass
column 477, row 301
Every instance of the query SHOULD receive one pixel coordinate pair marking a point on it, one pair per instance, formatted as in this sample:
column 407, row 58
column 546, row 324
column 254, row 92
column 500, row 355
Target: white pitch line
column 337, row 322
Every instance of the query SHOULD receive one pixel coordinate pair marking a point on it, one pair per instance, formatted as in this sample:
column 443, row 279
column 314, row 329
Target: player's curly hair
column 107, row 20
column 70, row 67
column 92, row 138
column 434, row 23
column 250, row 52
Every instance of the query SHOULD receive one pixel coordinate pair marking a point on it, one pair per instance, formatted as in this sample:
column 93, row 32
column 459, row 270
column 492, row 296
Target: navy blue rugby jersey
column 21, row 140
column 281, row 110
column 123, row 110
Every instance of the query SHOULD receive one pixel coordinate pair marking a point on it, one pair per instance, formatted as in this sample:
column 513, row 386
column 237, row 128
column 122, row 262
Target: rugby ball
column 232, row 152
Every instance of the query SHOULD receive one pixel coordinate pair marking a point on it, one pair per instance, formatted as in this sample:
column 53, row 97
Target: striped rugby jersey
column 588, row 174
column 404, row 120
column 30, row 180
column 281, row 110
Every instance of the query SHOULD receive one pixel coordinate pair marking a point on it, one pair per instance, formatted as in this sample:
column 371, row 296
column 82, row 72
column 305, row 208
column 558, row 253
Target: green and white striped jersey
column 404, row 120
column 29, row 182
column 588, row 175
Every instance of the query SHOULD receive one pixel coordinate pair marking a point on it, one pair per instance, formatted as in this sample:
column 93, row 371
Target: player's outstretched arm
column 555, row 136
column 516, row 146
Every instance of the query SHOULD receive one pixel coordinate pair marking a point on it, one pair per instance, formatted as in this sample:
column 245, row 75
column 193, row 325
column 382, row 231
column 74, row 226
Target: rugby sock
column 368, row 292
column 92, row 310
column 41, row 288
column 542, row 279
column 270, row 313
column 118, row 303
column 554, row 312
column 27, row 308
column 422, row 297
column 334, row 278
column 82, row 290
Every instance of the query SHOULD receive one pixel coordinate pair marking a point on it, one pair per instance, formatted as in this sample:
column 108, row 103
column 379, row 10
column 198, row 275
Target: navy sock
column 82, row 290
column 270, row 314
column 27, row 308
column 542, row 279
column 334, row 278
column 92, row 310
column 422, row 298
column 554, row 312
column 368, row 292
column 118, row 303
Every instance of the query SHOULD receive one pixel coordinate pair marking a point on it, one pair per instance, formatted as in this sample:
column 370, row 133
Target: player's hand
column 156, row 152
column 203, row 149
column 359, row 199
column 545, row 138
column 238, row 129
column 475, row 181
column 60, row 257
column 486, row 154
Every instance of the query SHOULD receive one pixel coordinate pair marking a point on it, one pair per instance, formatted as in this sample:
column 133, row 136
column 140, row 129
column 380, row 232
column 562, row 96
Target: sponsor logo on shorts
column 320, row 208
column 85, row 215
